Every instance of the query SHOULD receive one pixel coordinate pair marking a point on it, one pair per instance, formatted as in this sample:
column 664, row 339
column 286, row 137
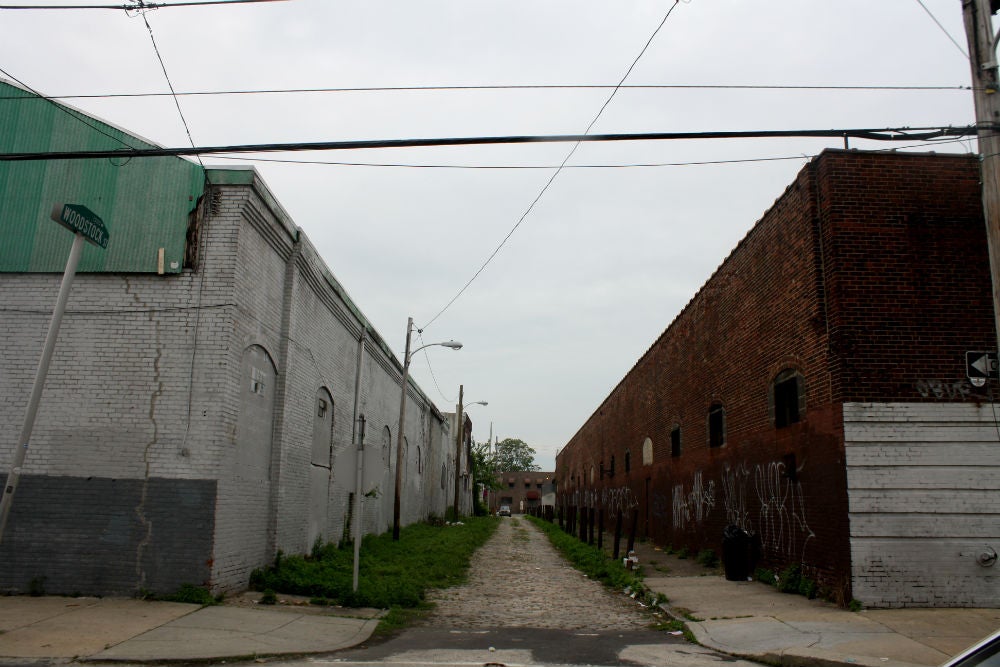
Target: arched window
column 787, row 398
column 628, row 460
column 716, row 425
column 611, row 471
column 675, row 441
column 647, row 452
column 387, row 447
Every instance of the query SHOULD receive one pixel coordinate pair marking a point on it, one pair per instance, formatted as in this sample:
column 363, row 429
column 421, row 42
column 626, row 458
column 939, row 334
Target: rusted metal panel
column 145, row 202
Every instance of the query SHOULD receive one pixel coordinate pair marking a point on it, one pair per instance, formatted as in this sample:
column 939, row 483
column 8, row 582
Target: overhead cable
column 558, row 171
column 633, row 165
column 513, row 87
column 170, row 85
column 874, row 134
column 943, row 29
column 140, row 5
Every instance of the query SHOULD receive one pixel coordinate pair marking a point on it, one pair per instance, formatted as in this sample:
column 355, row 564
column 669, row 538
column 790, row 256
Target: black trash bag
column 736, row 553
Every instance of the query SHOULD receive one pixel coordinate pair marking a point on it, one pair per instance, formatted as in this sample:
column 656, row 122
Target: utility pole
column 399, row 434
column 459, row 441
column 986, row 92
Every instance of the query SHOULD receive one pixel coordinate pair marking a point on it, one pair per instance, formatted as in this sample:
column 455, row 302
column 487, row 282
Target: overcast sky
column 608, row 256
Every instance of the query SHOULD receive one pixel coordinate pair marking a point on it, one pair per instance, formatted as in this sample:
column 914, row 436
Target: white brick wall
column 145, row 383
column 924, row 498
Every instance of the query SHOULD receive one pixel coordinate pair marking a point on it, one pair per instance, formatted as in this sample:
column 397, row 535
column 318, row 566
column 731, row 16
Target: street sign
column 980, row 366
column 80, row 219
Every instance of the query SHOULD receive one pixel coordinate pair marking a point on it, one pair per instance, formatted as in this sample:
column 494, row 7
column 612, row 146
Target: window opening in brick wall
column 716, row 425
column 386, row 442
column 647, row 452
column 611, row 471
column 628, row 460
column 787, row 398
column 256, row 381
column 675, row 441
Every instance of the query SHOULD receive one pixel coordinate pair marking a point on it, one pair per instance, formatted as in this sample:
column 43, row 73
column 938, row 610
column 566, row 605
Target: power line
column 556, row 173
column 405, row 165
column 943, row 29
column 72, row 113
column 874, row 134
column 139, row 5
column 512, row 87
column 170, row 85
column 515, row 167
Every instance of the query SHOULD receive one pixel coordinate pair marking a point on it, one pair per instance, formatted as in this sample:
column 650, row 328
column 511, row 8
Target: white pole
column 21, row 448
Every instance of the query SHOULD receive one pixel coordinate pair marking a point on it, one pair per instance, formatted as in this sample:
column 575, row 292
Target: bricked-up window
column 716, row 425
column 787, row 398
column 675, row 441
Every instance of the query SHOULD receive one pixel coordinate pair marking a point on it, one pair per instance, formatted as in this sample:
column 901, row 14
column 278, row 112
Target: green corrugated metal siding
column 144, row 202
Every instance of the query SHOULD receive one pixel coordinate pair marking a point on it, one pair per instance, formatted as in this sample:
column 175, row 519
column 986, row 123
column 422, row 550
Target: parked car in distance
column 504, row 510
column 984, row 654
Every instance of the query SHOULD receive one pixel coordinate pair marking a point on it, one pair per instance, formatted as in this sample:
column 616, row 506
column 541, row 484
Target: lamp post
column 452, row 344
column 460, row 440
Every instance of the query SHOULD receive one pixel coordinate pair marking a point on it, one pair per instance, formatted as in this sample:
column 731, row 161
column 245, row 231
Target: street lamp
column 460, row 440
column 451, row 344
column 460, row 419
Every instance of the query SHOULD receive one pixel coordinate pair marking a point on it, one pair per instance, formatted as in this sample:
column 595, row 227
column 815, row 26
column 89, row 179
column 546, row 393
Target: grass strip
column 590, row 560
column 391, row 574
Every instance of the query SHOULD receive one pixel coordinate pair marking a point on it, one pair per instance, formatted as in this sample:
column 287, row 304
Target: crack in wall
column 140, row 509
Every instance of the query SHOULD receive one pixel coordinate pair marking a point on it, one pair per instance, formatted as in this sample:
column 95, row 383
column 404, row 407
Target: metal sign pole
column 21, row 448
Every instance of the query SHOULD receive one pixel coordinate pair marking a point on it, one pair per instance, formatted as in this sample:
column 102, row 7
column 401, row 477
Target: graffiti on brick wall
column 944, row 389
column 783, row 527
column 618, row 501
column 780, row 522
column 692, row 507
column 735, row 481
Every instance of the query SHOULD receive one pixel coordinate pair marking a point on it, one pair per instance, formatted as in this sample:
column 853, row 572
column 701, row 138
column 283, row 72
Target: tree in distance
column 514, row 454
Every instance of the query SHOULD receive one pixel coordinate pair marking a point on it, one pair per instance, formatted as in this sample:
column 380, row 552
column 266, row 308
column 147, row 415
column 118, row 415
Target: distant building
column 817, row 392
column 523, row 491
column 203, row 407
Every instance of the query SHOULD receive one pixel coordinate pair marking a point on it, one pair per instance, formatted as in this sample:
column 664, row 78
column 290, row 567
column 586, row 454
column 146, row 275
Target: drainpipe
column 359, row 437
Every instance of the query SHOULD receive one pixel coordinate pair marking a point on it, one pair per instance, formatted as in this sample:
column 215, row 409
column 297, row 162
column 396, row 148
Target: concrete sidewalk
column 755, row 621
column 127, row 630
column 746, row 619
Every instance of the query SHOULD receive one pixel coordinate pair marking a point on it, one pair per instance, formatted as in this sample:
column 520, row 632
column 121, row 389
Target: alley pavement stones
column 518, row 580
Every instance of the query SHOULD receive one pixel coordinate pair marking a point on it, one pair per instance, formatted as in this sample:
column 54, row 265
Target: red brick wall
column 893, row 285
column 909, row 294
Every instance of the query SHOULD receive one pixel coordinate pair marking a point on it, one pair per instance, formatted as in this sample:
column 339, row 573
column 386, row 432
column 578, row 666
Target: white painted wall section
column 924, row 499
